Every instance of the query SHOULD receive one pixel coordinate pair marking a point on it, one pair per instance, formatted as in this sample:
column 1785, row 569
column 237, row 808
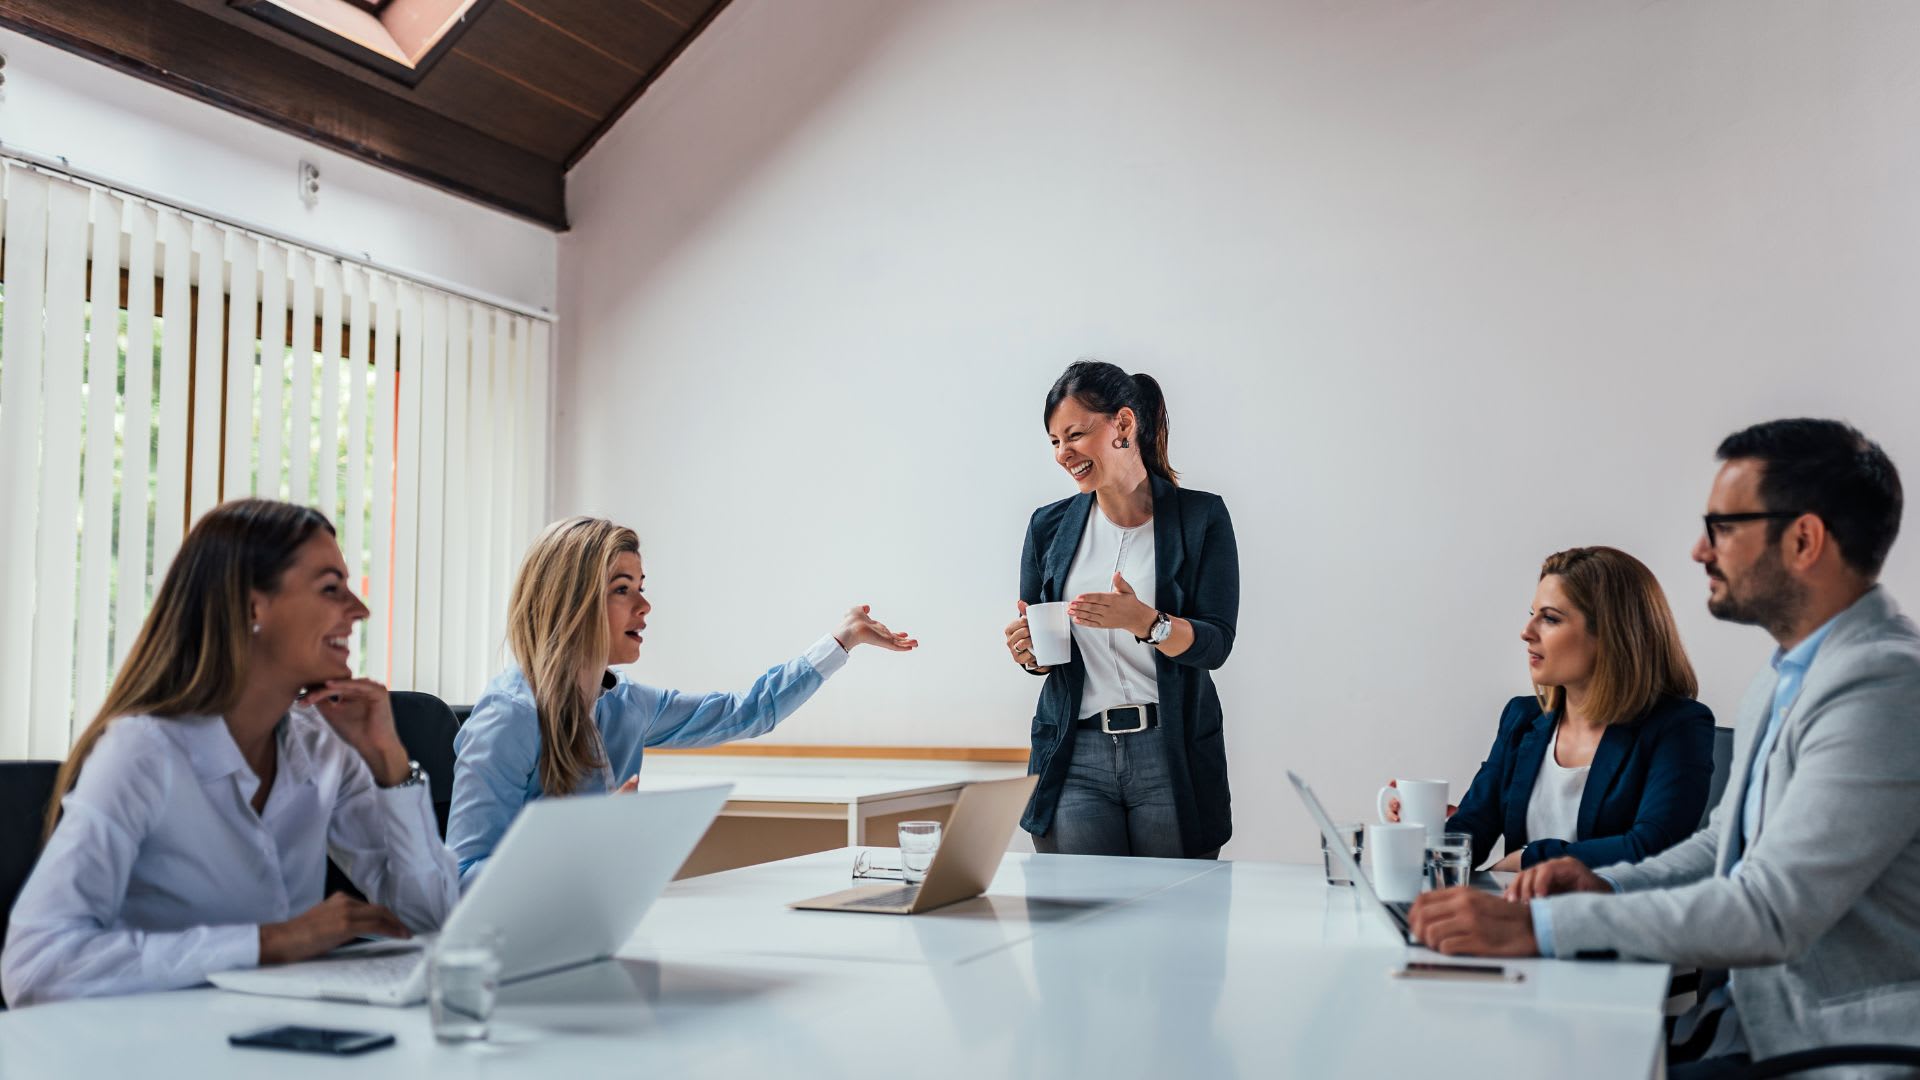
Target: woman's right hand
column 1020, row 639
column 324, row 927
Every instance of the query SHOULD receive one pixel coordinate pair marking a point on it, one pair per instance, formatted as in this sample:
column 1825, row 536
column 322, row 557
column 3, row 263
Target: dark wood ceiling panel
column 637, row 34
column 472, row 93
column 167, row 43
column 518, row 96
column 543, row 54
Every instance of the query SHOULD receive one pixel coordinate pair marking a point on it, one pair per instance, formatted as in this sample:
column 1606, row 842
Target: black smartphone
column 1416, row 969
column 313, row 1040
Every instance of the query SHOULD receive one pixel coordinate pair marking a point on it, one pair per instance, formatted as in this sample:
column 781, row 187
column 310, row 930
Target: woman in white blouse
column 191, row 823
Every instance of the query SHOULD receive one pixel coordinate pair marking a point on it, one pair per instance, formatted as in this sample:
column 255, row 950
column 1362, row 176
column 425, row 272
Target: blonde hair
column 1640, row 658
column 192, row 652
column 557, row 628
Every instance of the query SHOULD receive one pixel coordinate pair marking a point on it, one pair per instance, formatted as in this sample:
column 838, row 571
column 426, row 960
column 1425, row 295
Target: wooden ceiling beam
column 173, row 45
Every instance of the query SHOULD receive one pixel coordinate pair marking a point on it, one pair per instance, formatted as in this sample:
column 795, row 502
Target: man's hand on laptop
column 1467, row 921
column 1562, row 875
column 325, row 926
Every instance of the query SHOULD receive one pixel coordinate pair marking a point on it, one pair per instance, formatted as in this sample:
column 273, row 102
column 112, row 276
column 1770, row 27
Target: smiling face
column 1561, row 648
column 1747, row 578
column 1083, row 443
column 627, row 609
column 306, row 622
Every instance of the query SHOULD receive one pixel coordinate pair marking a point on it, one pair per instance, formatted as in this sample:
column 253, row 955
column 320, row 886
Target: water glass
column 1354, row 834
column 1450, row 860
column 462, row 978
column 918, row 841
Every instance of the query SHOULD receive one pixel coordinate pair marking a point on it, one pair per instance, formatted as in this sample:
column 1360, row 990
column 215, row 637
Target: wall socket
column 309, row 183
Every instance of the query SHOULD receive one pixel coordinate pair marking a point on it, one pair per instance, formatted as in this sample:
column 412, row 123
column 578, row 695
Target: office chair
column 426, row 727
column 25, row 789
column 1822, row 1057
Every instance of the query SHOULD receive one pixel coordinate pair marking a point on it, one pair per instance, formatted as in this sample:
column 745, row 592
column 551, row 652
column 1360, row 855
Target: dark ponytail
column 1104, row 388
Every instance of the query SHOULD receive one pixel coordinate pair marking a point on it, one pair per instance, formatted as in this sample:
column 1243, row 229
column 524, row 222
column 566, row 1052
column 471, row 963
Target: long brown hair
column 1640, row 658
column 191, row 655
column 557, row 628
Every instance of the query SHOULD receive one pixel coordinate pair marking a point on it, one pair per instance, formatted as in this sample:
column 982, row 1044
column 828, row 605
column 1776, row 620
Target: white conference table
column 1072, row 966
column 781, row 807
column 852, row 791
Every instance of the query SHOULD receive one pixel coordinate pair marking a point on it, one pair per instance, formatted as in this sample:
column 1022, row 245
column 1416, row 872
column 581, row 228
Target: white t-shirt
column 1553, row 811
column 1119, row 669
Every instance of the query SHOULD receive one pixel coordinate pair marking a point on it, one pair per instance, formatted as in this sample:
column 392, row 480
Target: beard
column 1767, row 596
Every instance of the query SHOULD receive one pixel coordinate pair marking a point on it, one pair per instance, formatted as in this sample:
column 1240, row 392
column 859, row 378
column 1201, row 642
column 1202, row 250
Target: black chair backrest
column 1722, row 769
column 426, row 726
column 25, row 789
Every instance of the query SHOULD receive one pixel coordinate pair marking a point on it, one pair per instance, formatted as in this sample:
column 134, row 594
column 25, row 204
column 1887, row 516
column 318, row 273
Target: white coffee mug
column 1051, row 633
column 1422, row 802
column 1397, row 860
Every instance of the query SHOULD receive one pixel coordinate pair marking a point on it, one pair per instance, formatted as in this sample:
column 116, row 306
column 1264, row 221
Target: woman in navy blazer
column 1610, row 760
column 1127, row 738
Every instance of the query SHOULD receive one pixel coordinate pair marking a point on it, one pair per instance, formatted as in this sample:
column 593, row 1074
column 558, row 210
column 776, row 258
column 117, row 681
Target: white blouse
column 1553, row 811
column 1119, row 669
column 161, row 873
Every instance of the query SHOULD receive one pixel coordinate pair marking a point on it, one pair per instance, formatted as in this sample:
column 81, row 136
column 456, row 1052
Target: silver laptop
column 567, row 886
column 1342, row 857
column 969, row 855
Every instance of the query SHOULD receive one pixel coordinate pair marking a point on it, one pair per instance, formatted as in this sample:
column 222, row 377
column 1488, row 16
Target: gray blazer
column 1821, row 930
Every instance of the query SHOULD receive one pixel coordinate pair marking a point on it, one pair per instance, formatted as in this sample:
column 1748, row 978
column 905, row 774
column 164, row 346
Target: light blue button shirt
column 1791, row 666
column 497, row 768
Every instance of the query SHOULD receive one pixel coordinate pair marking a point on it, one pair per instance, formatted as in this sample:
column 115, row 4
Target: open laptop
column 969, row 855
column 1342, row 857
column 567, row 886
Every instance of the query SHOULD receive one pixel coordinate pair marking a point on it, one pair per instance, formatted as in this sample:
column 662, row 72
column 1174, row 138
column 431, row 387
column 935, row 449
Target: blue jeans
column 1117, row 800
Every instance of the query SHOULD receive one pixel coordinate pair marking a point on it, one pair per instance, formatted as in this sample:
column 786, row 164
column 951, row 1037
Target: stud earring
column 1121, row 443
column 256, row 628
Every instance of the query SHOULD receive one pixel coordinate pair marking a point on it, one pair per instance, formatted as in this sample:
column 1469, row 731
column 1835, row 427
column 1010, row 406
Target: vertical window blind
column 154, row 363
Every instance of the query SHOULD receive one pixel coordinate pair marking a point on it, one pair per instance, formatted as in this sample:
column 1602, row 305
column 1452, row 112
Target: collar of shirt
column 214, row 754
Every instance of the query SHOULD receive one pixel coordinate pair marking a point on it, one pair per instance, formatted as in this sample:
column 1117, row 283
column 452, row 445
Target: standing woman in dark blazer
column 1127, row 738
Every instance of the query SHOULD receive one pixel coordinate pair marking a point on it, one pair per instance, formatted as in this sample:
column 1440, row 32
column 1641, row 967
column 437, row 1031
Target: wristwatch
column 415, row 776
column 1162, row 626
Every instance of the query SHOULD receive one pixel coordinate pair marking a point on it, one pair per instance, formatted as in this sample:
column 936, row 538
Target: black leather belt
column 1121, row 720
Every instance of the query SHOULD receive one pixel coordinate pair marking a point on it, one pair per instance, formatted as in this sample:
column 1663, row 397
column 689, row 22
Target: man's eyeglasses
column 1714, row 521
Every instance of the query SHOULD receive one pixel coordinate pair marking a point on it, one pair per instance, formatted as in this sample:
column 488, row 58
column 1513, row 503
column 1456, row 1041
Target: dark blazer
column 1645, row 790
column 1197, row 578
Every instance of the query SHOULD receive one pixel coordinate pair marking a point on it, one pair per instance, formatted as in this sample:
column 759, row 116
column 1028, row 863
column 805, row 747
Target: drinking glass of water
column 918, row 841
column 1450, row 860
column 463, row 976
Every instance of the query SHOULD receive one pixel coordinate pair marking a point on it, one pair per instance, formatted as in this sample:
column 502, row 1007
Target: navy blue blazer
column 1197, row 577
column 1645, row 791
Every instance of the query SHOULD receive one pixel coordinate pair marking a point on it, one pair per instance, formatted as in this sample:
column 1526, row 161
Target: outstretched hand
column 1120, row 609
column 861, row 628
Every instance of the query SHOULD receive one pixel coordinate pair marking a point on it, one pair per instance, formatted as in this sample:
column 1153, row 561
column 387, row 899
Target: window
column 206, row 363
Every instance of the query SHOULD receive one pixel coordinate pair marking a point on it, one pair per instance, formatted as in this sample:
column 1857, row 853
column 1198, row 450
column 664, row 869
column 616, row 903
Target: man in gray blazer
column 1805, row 884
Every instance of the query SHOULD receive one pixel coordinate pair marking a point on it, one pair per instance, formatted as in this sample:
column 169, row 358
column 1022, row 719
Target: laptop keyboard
column 889, row 899
column 360, row 974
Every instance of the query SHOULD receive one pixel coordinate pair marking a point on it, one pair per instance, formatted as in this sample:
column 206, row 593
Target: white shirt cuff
column 826, row 656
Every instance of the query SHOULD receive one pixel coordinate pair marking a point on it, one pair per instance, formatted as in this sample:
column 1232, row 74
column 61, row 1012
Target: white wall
column 136, row 134
column 1434, row 290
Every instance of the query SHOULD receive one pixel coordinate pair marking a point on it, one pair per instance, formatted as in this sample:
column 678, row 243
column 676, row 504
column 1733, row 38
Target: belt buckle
column 1139, row 716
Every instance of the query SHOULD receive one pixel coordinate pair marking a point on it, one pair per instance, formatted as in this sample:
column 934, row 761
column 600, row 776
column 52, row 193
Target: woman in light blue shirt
column 560, row 722
column 191, row 823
